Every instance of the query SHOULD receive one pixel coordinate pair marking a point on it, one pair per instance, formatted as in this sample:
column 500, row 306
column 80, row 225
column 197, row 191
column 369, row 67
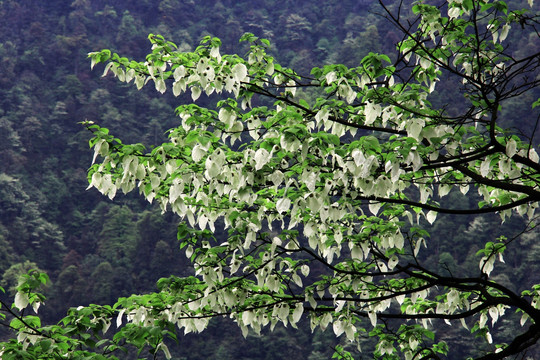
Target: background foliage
column 46, row 88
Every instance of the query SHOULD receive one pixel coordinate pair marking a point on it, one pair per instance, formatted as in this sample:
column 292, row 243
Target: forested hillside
column 96, row 250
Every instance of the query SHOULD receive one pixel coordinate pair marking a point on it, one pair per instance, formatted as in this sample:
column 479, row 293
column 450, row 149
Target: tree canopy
column 310, row 196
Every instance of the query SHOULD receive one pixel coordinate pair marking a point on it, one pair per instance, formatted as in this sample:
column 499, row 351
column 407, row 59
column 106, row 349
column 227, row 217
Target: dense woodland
column 96, row 250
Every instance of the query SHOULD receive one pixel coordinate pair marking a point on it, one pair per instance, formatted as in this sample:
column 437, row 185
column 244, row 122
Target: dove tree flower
column 322, row 185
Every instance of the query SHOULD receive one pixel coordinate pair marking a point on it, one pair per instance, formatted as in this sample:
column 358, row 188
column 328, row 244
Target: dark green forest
column 96, row 250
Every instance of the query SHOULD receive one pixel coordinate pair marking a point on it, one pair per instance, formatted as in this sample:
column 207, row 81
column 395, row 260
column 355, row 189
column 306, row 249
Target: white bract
column 331, row 182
